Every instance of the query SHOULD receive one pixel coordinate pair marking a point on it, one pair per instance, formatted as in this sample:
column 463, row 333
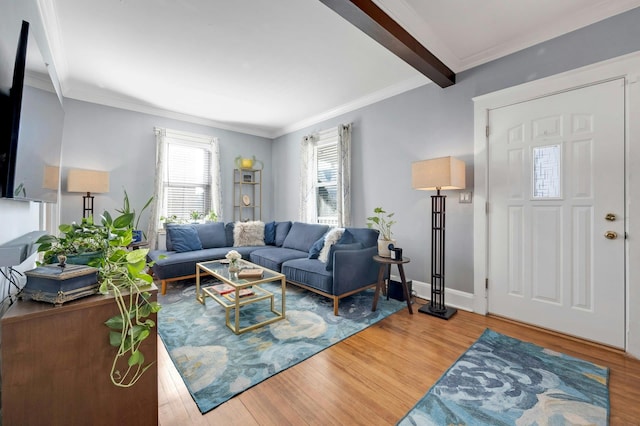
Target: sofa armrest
column 353, row 269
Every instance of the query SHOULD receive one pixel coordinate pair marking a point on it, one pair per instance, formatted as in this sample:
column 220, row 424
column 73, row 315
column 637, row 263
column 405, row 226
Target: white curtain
column 162, row 139
column 308, row 163
column 308, row 175
column 344, row 175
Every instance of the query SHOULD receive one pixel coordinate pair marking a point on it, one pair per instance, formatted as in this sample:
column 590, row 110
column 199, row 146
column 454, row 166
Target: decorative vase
column 383, row 247
column 136, row 236
column 233, row 266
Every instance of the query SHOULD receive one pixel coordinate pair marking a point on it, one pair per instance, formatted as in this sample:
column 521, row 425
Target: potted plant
column 169, row 219
column 135, row 221
column 123, row 274
column 79, row 243
column 383, row 222
column 195, row 215
column 211, row 216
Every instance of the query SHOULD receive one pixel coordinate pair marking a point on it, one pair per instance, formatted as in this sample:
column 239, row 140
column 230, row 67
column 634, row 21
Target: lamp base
column 448, row 313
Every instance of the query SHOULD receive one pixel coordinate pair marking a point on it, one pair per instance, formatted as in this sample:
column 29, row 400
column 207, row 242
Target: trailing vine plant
column 123, row 274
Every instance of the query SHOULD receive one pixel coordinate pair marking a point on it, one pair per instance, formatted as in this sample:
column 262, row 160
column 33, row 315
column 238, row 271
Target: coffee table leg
column 199, row 295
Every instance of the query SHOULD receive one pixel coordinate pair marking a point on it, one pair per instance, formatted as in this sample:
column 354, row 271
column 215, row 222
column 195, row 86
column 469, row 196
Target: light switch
column 465, row 197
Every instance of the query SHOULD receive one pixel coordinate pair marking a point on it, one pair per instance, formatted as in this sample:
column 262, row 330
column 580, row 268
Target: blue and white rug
column 216, row 364
column 500, row 380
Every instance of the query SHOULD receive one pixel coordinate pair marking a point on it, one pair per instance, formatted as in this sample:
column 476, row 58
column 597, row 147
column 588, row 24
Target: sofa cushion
column 282, row 229
column 248, row 234
column 211, row 234
column 337, row 247
column 273, row 257
column 184, row 238
column 303, row 235
column 368, row 237
column 330, row 239
column 270, row 233
column 315, row 249
column 310, row 272
column 228, row 231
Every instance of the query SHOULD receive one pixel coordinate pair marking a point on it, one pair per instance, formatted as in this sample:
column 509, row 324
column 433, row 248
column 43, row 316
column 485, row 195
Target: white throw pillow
column 248, row 234
column 330, row 239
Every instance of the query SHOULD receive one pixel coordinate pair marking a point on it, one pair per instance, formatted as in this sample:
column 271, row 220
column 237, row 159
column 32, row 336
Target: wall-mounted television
column 31, row 141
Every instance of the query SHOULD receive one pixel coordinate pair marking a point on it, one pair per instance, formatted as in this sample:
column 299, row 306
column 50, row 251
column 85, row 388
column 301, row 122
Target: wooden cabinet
column 56, row 363
column 247, row 194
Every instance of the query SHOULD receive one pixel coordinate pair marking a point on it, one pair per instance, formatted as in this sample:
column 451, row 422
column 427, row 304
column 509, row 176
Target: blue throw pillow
column 270, row 233
column 315, row 249
column 282, row 229
column 339, row 247
column 184, row 238
column 347, row 238
column 211, row 234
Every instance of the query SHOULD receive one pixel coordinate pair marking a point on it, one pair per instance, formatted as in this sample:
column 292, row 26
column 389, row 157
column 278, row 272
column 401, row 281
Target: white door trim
column 628, row 67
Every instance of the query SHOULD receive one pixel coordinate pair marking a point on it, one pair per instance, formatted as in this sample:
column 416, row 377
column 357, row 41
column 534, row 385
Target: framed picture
column 247, row 178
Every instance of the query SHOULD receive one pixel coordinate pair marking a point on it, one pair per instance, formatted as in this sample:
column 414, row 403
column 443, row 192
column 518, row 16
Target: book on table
column 250, row 273
column 222, row 288
column 244, row 292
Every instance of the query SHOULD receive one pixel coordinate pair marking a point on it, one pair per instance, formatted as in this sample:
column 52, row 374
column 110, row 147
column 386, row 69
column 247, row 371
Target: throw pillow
column 314, row 251
column 282, row 229
column 330, row 239
column 228, row 230
column 302, row 235
column 340, row 247
column 248, row 234
column 184, row 238
column 270, row 233
column 211, row 234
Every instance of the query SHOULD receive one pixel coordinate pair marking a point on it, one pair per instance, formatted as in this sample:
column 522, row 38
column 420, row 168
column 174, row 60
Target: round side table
column 385, row 264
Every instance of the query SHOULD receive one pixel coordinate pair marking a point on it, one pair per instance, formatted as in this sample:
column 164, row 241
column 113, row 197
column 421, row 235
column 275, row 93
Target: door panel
column 556, row 169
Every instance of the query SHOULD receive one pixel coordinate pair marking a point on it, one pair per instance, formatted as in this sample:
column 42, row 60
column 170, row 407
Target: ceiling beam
column 367, row 16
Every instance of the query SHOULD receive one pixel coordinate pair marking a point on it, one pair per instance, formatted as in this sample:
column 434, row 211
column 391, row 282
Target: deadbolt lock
column 611, row 235
column 610, row 217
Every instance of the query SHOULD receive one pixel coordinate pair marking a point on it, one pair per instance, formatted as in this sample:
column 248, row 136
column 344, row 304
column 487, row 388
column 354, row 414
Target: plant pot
column 136, row 236
column 84, row 258
column 383, row 247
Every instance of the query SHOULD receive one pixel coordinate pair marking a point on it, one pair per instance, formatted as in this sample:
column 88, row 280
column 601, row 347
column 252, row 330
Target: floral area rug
column 216, row 364
column 500, row 380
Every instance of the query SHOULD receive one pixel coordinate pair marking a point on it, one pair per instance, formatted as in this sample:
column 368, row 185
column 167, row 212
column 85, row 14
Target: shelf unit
column 247, row 194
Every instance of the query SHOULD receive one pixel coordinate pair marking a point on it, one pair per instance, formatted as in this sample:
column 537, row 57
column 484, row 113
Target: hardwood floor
column 377, row 375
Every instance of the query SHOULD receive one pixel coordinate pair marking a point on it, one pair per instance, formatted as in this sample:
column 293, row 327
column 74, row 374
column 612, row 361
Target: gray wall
column 430, row 122
column 123, row 143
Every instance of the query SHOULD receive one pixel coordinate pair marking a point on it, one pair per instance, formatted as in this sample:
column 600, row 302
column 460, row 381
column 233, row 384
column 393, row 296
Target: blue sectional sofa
column 291, row 248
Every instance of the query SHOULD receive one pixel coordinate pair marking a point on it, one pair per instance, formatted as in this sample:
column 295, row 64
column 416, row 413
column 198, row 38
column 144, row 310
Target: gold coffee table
column 220, row 270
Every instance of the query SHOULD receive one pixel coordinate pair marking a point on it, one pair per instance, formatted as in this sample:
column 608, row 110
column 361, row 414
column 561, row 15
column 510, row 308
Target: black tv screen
column 30, row 154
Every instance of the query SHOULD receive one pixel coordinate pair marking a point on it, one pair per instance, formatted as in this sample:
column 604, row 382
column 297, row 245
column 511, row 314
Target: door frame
column 627, row 67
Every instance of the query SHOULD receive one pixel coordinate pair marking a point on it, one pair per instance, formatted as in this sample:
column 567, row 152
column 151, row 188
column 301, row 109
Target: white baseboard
column 454, row 298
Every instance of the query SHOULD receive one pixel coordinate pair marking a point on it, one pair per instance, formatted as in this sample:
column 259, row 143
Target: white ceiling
column 268, row 67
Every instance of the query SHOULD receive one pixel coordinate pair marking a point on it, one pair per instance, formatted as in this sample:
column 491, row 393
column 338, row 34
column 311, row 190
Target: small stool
column 386, row 262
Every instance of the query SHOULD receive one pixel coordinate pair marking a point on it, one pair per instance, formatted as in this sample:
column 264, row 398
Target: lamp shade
column 79, row 180
column 438, row 173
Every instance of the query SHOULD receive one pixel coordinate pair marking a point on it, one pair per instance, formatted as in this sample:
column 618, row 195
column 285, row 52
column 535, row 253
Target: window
column 187, row 180
column 187, row 175
column 325, row 177
column 327, row 181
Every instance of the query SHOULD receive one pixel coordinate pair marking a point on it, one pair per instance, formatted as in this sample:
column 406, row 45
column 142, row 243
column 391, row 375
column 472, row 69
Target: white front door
column 556, row 212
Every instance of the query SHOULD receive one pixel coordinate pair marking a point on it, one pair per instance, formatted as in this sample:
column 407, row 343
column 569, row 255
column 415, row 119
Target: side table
column 385, row 264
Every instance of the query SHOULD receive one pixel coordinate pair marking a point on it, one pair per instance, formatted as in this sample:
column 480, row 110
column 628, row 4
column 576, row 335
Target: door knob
column 611, row 235
column 610, row 217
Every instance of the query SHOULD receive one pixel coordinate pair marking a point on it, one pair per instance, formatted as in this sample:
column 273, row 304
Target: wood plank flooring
column 376, row 376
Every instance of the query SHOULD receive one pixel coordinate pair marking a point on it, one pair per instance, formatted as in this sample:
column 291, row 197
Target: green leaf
column 124, row 221
column 143, row 335
column 135, row 358
column 135, row 256
column 115, row 338
column 115, row 323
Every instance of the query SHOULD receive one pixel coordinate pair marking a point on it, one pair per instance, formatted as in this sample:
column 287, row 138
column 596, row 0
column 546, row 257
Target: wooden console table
column 56, row 363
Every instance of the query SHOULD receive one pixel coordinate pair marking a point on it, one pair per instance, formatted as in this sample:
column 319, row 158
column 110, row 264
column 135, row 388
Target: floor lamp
column 438, row 174
column 87, row 181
